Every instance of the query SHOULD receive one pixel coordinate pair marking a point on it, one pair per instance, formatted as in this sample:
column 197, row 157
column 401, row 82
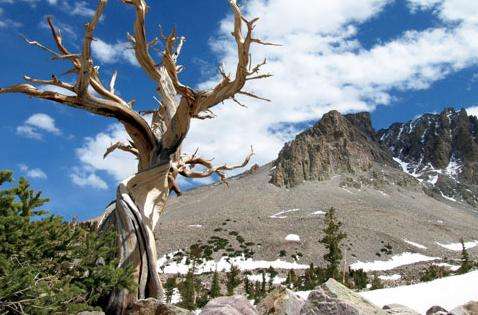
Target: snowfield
column 224, row 264
column 448, row 292
column 456, row 247
column 394, row 262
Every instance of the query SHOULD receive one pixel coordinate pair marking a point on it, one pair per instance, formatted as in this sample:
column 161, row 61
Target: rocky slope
column 341, row 162
column 440, row 150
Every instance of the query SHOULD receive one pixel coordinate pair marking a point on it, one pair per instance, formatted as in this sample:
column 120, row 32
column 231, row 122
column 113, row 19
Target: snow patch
column 292, row 238
column 393, row 277
column 318, row 213
column 167, row 266
column 448, row 292
column 414, row 244
column 394, row 262
column 457, row 246
column 446, row 197
column 196, row 226
column 449, row 266
column 280, row 215
column 276, row 280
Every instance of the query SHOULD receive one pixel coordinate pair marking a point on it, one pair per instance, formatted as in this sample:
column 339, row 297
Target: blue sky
column 397, row 59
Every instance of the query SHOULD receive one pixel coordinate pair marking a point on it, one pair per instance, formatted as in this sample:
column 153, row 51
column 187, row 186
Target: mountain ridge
column 438, row 150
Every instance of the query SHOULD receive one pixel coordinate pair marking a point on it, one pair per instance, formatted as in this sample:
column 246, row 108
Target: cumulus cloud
column 34, row 173
column 85, row 178
column 322, row 65
column 112, row 53
column 118, row 164
column 36, row 124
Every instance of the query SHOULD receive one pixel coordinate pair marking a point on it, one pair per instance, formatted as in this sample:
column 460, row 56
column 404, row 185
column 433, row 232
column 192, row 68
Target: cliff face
column 337, row 144
column 439, row 150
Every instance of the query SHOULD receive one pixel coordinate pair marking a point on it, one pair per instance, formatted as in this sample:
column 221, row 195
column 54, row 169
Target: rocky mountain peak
column 336, row 144
column 439, row 150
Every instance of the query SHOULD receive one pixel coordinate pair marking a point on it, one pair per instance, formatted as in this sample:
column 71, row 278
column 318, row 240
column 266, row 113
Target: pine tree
column 169, row 287
column 272, row 274
column 263, row 283
column 332, row 240
column 215, row 286
column 248, row 288
column 51, row 265
column 376, row 283
column 187, row 289
column 466, row 263
column 232, row 280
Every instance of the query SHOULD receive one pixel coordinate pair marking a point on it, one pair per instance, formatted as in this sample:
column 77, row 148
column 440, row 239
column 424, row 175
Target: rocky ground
column 379, row 207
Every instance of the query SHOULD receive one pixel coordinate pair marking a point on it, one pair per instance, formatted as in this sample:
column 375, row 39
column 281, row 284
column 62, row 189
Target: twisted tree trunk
column 139, row 201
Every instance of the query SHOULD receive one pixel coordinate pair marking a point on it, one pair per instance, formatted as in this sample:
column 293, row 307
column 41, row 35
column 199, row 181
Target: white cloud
column 118, row 164
column 83, row 178
column 112, row 53
column 44, row 122
column 320, row 66
column 6, row 22
column 34, row 173
column 36, row 124
column 79, row 8
column 472, row 111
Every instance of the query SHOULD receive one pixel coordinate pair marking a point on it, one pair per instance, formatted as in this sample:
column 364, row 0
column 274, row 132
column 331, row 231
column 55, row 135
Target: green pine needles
column 48, row 265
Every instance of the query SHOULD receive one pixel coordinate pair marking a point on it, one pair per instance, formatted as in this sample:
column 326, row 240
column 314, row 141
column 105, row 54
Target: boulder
column 91, row 313
column 470, row 308
column 229, row 305
column 333, row 298
column 436, row 310
column 398, row 309
column 281, row 301
column 155, row 307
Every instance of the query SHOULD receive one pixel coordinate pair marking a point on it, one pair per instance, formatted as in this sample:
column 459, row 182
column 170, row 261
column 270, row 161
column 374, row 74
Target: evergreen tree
column 48, row 265
column 263, row 283
column 466, row 263
column 232, row 280
column 272, row 274
column 376, row 283
column 248, row 288
column 215, row 286
column 187, row 289
column 332, row 240
column 169, row 287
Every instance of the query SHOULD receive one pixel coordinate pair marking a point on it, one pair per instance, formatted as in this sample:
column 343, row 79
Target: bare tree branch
column 123, row 147
column 187, row 163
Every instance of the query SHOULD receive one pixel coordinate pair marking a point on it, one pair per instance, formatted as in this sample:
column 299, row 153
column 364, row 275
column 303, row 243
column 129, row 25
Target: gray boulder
column 229, row 305
column 91, row 313
column 470, row 308
column 398, row 309
column 281, row 301
column 152, row 306
column 333, row 298
column 437, row 310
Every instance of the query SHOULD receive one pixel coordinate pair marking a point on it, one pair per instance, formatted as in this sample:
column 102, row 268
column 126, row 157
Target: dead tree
column 157, row 145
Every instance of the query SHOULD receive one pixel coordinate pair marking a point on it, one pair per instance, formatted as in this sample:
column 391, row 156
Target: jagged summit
column 439, row 150
column 336, row 144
